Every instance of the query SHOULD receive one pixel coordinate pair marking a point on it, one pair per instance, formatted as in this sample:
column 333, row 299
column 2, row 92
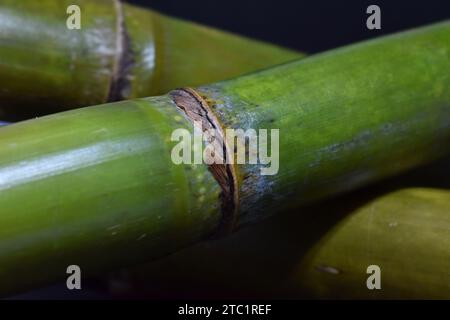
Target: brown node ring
column 120, row 85
column 200, row 113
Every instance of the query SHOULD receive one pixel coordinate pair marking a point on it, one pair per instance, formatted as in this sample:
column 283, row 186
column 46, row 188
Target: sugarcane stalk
column 120, row 52
column 406, row 234
column 101, row 180
column 321, row 252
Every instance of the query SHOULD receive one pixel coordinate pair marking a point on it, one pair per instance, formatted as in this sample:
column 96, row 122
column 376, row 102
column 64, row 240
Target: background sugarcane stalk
column 100, row 180
column 406, row 234
column 120, row 52
column 346, row 117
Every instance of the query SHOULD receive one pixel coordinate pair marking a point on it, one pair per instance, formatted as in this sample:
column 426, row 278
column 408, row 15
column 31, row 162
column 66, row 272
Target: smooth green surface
column 44, row 67
column 180, row 53
column 96, row 187
column 405, row 233
column 346, row 117
column 43, row 64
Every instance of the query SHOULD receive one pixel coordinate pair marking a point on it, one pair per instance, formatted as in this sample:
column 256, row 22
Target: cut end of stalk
column 201, row 115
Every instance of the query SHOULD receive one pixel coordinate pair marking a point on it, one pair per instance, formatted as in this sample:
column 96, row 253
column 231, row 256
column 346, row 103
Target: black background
column 310, row 26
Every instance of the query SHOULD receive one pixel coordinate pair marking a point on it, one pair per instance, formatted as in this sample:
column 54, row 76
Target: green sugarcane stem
column 321, row 252
column 120, row 52
column 101, row 180
column 406, row 234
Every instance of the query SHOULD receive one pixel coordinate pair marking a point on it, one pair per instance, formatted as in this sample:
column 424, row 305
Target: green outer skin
column 42, row 63
column 346, row 117
column 46, row 67
column 406, row 233
column 96, row 187
column 178, row 53
column 69, row 179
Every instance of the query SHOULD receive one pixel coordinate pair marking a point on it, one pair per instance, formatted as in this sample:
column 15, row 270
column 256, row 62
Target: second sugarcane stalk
column 102, row 180
column 120, row 52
